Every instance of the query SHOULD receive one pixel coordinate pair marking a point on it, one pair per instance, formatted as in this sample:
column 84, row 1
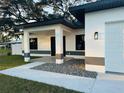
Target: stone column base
column 59, row 58
column 27, row 57
column 59, row 61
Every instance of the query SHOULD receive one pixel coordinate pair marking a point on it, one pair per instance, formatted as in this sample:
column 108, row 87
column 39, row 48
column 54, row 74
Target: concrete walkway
column 109, row 83
column 105, row 83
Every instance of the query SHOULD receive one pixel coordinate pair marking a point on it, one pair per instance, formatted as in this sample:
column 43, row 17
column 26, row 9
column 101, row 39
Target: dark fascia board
column 79, row 11
column 97, row 6
column 52, row 22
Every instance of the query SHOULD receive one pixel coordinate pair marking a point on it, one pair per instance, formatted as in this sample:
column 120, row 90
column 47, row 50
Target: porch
column 55, row 41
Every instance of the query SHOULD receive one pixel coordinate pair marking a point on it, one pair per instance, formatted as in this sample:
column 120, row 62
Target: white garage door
column 114, row 47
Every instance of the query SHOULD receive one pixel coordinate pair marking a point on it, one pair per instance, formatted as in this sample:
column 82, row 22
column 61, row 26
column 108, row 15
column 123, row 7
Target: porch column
column 26, row 47
column 59, row 45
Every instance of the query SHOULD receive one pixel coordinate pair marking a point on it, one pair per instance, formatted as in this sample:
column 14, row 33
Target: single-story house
column 99, row 36
column 55, row 37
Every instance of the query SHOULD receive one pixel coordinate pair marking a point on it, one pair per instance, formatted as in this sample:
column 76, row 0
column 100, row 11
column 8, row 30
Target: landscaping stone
column 71, row 67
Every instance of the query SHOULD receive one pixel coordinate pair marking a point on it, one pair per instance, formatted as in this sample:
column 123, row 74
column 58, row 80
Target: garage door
column 114, row 47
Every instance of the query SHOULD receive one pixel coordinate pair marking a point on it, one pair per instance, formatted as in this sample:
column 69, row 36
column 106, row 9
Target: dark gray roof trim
column 79, row 11
column 52, row 22
column 99, row 5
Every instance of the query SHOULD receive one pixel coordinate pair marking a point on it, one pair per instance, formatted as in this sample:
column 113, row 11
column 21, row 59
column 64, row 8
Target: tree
column 4, row 38
column 23, row 11
column 15, row 12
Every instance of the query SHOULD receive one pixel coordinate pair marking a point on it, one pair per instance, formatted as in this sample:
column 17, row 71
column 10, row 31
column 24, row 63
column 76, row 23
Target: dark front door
column 53, row 46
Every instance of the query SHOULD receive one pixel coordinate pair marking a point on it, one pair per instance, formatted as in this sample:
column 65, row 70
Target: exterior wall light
column 21, row 30
column 96, row 36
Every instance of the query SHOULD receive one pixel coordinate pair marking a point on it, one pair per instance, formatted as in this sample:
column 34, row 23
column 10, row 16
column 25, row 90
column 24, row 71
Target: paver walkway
column 104, row 83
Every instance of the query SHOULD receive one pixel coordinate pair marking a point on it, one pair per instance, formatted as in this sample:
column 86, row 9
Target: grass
column 16, row 85
column 10, row 84
column 5, row 51
column 10, row 61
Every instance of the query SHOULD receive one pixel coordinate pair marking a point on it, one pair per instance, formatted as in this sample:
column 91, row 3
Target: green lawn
column 15, row 85
column 10, row 61
column 5, row 51
column 10, row 84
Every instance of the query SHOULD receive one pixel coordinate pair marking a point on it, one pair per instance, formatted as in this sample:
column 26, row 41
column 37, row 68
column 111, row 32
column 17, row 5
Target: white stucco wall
column 95, row 22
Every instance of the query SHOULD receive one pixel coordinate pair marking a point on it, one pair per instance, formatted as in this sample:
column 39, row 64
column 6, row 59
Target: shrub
column 5, row 52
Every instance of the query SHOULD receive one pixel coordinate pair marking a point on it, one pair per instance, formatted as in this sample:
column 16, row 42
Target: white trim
column 96, row 68
column 76, row 56
column 48, row 28
column 40, row 54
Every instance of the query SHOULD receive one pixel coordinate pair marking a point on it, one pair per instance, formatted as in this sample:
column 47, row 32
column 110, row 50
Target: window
column 33, row 43
column 80, row 42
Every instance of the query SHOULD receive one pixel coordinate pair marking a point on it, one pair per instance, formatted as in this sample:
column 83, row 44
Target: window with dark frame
column 80, row 42
column 33, row 43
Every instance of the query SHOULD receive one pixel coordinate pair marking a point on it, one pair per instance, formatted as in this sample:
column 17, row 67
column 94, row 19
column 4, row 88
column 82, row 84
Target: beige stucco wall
column 44, row 42
column 43, row 39
column 44, row 34
column 70, row 39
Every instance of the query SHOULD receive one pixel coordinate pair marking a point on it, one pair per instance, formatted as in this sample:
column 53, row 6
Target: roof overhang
column 79, row 11
column 52, row 22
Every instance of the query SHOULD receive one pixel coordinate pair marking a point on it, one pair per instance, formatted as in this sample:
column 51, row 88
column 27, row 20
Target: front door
column 53, row 46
